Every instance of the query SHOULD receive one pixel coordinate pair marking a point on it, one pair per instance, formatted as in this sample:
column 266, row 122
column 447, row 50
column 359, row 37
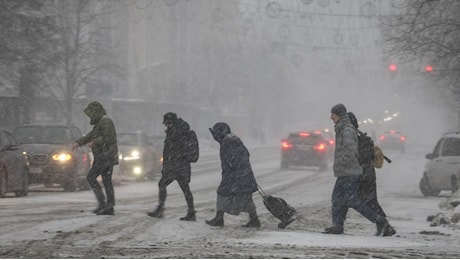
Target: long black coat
column 174, row 156
column 237, row 175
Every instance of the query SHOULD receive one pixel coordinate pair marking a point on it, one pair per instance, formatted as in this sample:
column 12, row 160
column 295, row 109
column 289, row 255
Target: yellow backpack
column 378, row 157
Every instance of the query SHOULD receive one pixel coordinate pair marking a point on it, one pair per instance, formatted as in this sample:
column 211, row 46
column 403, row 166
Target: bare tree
column 55, row 48
column 26, row 48
column 428, row 31
column 85, row 57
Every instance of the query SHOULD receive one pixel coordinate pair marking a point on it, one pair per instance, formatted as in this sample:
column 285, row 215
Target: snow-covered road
column 61, row 225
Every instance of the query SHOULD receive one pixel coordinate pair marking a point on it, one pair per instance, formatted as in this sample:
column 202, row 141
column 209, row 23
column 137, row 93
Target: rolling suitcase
column 279, row 208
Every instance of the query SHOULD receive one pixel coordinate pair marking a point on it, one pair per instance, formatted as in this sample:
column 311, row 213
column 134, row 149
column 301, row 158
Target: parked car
column 139, row 156
column 304, row 149
column 51, row 158
column 393, row 139
column 14, row 171
column 442, row 171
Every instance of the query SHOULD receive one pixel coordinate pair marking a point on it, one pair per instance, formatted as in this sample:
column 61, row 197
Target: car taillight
column 286, row 145
column 403, row 138
column 320, row 147
column 331, row 142
column 304, row 134
column 382, row 137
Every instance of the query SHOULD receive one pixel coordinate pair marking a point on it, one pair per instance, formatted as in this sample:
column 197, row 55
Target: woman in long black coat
column 234, row 194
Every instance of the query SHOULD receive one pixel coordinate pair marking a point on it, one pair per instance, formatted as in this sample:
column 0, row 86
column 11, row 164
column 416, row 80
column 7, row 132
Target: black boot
column 217, row 221
column 99, row 208
column 190, row 216
column 388, row 231
column 285, row 223
column 382, row 225
column 107, row 211
column 336, row 230
column 158, row 213
column 254, row 222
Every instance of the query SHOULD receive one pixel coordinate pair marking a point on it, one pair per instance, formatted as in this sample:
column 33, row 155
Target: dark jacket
column 346, row 149
column 237, row 175
column 174, row 154
column 103, row 134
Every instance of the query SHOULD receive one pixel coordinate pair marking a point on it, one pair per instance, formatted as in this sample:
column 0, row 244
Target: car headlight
column 137, row 170
column 134, row 155
column 62, row 157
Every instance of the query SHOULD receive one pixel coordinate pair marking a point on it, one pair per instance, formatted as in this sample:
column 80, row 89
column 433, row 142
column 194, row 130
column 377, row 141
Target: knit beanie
column 339, row 110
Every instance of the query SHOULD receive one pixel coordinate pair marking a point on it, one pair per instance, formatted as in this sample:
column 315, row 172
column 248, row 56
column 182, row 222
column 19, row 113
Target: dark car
column 442, row 170
column 51, row 158
column 305, row 149
column 330, row 141
column 14, row 172
column 139, row 156
column 393, row 140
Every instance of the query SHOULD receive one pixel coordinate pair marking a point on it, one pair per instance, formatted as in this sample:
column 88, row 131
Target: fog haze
column 280, row 65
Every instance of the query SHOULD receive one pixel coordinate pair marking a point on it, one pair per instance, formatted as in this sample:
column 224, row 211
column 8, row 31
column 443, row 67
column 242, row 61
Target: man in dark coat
column 234, row 194
column 348, row 172
column 176, row 165
column 367, row 187
column 103, row 141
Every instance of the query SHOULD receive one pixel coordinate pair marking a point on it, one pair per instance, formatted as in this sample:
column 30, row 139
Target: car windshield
column 42, row 135
column 127, row 139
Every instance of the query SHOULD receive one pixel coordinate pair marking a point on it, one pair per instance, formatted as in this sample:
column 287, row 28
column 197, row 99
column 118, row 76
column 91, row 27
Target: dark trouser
column 103, row 167
column 183, row 181
column 346, row 195
column 368, row 190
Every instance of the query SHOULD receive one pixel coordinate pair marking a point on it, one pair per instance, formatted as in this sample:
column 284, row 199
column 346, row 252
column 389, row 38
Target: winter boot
column 336, row 230
column 382, row 224
column 388, row 231
column 285, row 223
column 158, row 213
column 217, row 221
column 253, row 222
column 190, row 216
column 106, row 211
column 101, row 207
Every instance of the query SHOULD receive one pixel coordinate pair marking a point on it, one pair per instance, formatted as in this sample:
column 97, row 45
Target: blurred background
column 267, row 67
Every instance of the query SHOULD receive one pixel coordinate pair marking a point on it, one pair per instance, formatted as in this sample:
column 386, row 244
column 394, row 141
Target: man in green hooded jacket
column 103, row 141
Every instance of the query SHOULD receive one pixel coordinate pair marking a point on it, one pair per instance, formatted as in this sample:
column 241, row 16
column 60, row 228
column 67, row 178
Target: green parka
column 103, row 135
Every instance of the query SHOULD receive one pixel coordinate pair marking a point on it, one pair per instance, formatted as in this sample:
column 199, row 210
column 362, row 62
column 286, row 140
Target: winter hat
column 339, row 110
column 353, row 119
column 169, row 117
column 219, row 131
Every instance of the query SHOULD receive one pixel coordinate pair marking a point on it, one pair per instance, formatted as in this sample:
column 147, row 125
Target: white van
column 442, row 171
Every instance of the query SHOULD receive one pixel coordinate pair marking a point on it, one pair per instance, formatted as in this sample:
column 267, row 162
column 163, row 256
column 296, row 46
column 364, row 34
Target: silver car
column 14, row 172
column 51, row 157
column 442, row 171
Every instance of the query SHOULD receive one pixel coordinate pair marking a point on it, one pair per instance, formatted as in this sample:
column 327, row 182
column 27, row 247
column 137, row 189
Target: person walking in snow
column 367, row 185
column 103, row 142
column 176, row 165
column 234, row 194
column 348, row 172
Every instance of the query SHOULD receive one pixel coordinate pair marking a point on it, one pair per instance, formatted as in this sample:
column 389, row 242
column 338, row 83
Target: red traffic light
column 428, row 68
column 393, row 67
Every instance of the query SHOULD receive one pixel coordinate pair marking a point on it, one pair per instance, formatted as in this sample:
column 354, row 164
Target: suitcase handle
column 261, row 191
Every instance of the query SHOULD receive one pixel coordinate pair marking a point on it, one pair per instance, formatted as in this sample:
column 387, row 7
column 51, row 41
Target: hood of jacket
column 219, row 131
column 95, row 111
